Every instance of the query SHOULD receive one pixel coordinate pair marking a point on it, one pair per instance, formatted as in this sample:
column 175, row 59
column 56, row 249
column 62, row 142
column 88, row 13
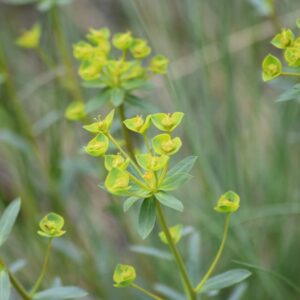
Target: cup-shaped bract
column 83, row 50
column 163, row 144
column 152, row 163
column 138, row 124
column 283, row 39
column 167, row 122
column 100, row 38
column 91, row 69
column 228, row 202
column 101, row 126
column 292, row 56
column 98, row 145
column 159, row 64
column 134, row 70
column 140, row 49
column 75, row 111
column 271, row 67
column 124, row 275
column 175, row 232
column 117, row 181
column 30, row 39
column 51, row 226
column 122, row 41
column 115, row 161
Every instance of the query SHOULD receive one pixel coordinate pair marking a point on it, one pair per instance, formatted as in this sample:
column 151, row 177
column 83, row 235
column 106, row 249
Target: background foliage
column 244, row 139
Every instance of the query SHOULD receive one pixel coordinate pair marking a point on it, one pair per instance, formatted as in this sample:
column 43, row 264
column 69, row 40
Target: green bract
column 228, row 202
column 98, row 145
column 163, row 144
column 83, row 50
column 51, row 226
column 100, row 38
column 124, row 275
column 159, row 64
column 115, row 161
column 292, row 56
column 151, row 163
column 140, row 49
column 90, row 69
column 75, row 111
column 138, row 124
column 31, row 38
column 122, row 41
column 284, row 39
column 101, row 126
column 167, row 122
column 176, row 233
column 271, row 67
column 117, row 181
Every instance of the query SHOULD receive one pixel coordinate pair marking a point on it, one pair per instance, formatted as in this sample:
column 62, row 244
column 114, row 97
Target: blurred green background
column 245, row 141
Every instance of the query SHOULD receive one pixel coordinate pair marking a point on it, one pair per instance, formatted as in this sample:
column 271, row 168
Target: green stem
column 147, row 143
column 44, row 269
column 290, row 74
column 219, row 253
column 44, row 57
column 126, row 135
column 138, row 182
column 175, row 252
column 163, row 174
column 137, row 287
column 18, row 286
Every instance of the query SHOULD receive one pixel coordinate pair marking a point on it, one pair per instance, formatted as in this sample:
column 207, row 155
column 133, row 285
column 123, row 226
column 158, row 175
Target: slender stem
column 44, row 268
column 147, row 143
column 18, row 286
column 175, row 252
column 133, row 178
column 290, row 74
column 137, row 287
column 126, row 135
column 215, row 261
column 44, row 57
column 163, row 174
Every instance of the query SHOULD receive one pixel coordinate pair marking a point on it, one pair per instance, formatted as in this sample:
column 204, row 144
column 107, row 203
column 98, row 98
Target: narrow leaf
column 184, row 166
column 129, row 202
column 60, row 293
column 169, row 201
column 174, row 181
column 147, row 217
column 117, row 96
column 4, row 286
column 225, row 279
column 151, row 252
column 8, row 219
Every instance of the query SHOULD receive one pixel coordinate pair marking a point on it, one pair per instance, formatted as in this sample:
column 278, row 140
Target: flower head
column 163, row 144
column 138, row 124
column 117, row 181
column 98, row 145
column 124, row 275
column 167, row 122
column 271, row 67
column 51, row 226
column 122, row 41
column 101, row 125
column 140, row 49
column 228, row 202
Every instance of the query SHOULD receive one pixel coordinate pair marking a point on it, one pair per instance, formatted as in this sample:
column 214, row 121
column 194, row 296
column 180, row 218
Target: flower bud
column 31, row 38
column 97, row 146
column 167, row 122
column 163, row 144
column 51, row 226
column 75, row 111
column 228, row 203
column 124, row 276
column 159, row 64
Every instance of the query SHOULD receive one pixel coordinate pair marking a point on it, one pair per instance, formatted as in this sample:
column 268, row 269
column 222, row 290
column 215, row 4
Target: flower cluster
column 290, row 45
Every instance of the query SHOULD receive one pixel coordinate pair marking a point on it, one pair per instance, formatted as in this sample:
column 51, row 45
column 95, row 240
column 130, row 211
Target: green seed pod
column 140, row 49
column 124, row 275
column 117, row 181
column 51, row 226
column 159, row 64
column 284, row 39
column 228, row 203
column 122, row 41
column 97, row 146
column 138, row 124
column 75, row 111
column 30, row 39
column 101, row 126
column 271, row 67
column 151, row 163
column 163, row 144
column 167, row 122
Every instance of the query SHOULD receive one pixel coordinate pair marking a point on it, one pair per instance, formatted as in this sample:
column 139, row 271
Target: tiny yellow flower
column 167, row 122
column 101, row 126
column 138, row 124
column 159, row 64
column 271, row 67
column 163, row 144
column 98, row 145
column 140, row 49
column 228, row 202
column 283, row 39
column 124, row 275
column 75, row 111
column 117, row 181
column 122, row 41
column 51, row 226
column 115, row 161
column 152, row 163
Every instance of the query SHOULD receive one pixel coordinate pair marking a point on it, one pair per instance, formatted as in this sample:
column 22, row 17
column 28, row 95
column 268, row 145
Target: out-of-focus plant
column 51, row 227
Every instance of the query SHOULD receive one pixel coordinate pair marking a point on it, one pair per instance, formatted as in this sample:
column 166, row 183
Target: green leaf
column 291, row 94
column 97, row 101
column 184, row 166
column 140, row 103
column 8, row 219
column 4, row 286
column 60, row 293
column 117, row 96
column 136, row 84
column 169, row 292
column 129, row 202
column 225, row 279
column 173, row 182
column 169, row 201
column 151, row 251
column 147, row 217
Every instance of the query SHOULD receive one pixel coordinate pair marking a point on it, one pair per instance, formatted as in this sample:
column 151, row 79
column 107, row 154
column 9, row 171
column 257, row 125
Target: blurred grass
column 245, row 141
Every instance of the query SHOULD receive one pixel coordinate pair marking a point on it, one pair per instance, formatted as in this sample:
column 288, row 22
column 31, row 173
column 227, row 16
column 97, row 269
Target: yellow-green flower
column 134, row 70
column 83, row 50
column 91, row 69
column 115, row 161
column 176, row 233
column 271, row 67
column 75, row 111
column 117, row 181
column 122, row 41
column 51, row 226
column 283, row 39
column 98, row 145
column 296, row 43
column 292, row 56
column 228, row 202
column 124, row 275
column 167, row 122
column 101, row 126
column 140, row 49
column 163, row 144
column 138, row 124
column 100, row 38
column 159, row 64
column 31, row 38
column 151, row 163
